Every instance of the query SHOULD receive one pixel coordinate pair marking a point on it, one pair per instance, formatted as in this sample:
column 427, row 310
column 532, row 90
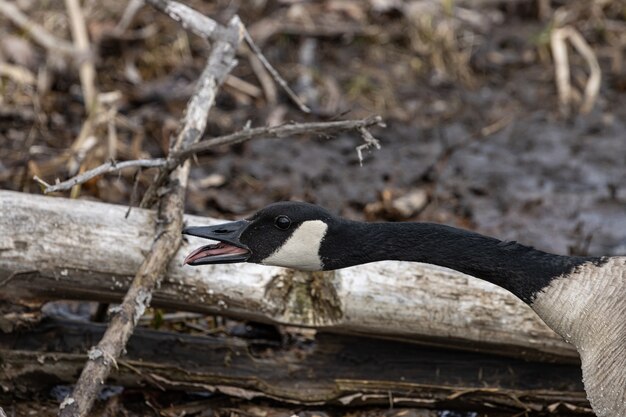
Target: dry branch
column 137, row 299
column 289, row 129
column 55, row 248
column 177, row 157
column 190, row 19
column 168, row 238
column 558, row 44
column 111, row 166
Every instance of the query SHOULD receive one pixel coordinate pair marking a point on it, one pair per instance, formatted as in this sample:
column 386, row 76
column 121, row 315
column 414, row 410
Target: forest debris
column 287, row 130
column 397, row 208
column 210, row 181
column 307, row 60
column 268, row 86
column 87, row 71
column 323, row 374
column 411, row 203
column 129, row 13
column 37, row 32
column 558, row 40
column 279, row 80
column 370, row 142
column 18, row 74
column 110, row 166
column 243, row 86
column 18, row 50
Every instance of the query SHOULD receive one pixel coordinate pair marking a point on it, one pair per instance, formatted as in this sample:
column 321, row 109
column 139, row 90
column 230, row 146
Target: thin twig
column 290, row 129
column 595, row 73
column 37, row 32
column 87, row 71
column 105, row 168
column 370, row 141
column 18, row 74
column 131, row 10
column 280, row 80
column 562, row 68
column 268, row 86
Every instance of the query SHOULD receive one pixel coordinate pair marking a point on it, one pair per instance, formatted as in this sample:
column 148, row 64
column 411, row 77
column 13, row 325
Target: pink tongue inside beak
column 213, row 250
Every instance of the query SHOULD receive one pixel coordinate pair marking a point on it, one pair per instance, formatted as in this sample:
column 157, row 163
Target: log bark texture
column 333, row 370
column 54, row 248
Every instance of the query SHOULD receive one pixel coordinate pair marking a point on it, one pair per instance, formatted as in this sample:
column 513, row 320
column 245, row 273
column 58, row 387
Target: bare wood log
column 54, row 248
column 335, row 370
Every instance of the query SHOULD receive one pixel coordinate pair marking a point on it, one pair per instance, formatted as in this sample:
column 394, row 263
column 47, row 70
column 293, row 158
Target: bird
column 581, row 298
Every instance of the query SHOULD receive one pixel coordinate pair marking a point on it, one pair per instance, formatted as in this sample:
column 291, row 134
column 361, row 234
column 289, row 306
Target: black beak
column 228, row 251
column 227, row 232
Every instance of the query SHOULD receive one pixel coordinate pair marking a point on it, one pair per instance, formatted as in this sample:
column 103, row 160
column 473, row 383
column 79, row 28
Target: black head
column 285, row 234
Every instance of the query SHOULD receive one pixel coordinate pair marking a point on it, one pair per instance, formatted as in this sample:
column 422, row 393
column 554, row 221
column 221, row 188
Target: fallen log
column 54, row 248
column 332, row 370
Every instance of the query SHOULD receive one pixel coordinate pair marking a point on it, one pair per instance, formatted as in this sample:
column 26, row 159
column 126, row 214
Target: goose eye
column 282, row 222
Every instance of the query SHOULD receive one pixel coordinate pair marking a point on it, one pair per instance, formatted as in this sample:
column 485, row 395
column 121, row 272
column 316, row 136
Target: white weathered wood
column 55, row 248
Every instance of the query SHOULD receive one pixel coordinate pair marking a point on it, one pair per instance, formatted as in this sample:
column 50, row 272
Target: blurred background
column 480, row 134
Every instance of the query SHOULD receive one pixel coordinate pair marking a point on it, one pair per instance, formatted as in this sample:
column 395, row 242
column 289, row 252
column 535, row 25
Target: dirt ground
column 475, row 136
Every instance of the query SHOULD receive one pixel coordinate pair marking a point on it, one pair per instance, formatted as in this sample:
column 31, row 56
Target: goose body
column 581, row 298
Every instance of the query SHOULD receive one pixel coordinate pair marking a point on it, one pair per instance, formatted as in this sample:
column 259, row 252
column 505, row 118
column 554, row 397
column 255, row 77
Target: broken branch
column 177, row 158
column 289, row 129
column 190, row 19
column 165, row 244
column 105, row 168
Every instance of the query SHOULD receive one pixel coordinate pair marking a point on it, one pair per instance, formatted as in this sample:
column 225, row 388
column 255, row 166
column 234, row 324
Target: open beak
column 228, row 250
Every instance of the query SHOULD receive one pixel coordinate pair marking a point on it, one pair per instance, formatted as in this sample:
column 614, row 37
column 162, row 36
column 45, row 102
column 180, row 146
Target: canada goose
column 581, row 298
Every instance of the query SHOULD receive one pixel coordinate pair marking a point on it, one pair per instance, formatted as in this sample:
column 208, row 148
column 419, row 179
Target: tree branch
column 111, row 166
column 190, row 19
column 279, row 80
column 166, row 243
column 289, row 129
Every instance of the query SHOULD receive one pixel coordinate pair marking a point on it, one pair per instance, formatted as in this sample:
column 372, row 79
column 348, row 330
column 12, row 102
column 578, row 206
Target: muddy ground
column 475, row 133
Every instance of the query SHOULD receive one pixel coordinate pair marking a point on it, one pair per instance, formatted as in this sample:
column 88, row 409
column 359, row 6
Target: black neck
column 520, row 269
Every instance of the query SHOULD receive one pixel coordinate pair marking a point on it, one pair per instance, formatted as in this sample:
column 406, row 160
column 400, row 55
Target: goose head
column 287, row 234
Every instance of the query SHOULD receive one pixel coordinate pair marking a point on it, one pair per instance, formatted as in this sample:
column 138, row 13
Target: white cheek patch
column 301, row 250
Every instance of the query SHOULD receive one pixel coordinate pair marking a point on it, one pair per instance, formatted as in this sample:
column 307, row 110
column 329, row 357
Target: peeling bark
column 334, row 370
